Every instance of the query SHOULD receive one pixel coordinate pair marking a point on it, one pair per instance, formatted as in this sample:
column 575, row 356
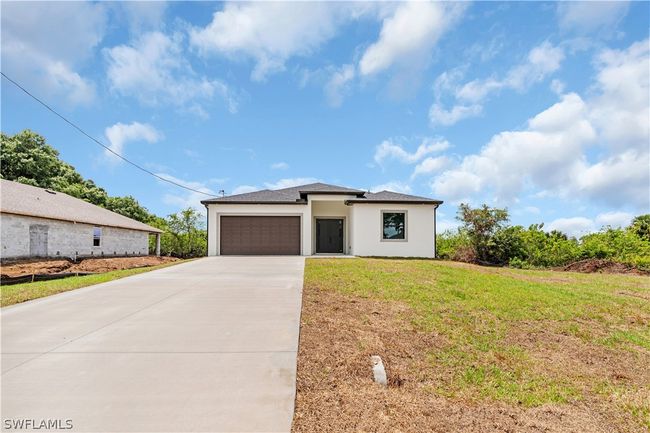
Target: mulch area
column 93, row 265
column 336, row 391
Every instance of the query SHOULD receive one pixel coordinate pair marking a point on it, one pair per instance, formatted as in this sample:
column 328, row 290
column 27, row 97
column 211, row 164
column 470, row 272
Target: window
column 394, row 225
column 97, row 236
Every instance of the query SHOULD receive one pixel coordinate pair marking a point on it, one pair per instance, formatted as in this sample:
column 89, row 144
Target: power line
column 69, row 122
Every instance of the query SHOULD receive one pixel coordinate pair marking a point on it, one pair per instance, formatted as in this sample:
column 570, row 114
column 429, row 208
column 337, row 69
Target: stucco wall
column 366, row 231
column 65, row 239
column 216, row 210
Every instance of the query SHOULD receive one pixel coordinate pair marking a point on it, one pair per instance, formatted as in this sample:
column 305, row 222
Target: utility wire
column 139, row 167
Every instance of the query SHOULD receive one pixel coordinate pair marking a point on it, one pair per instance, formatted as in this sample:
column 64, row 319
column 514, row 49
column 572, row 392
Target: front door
column 329, row 235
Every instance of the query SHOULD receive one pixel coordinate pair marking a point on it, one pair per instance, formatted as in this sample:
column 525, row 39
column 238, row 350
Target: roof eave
column 430, row 202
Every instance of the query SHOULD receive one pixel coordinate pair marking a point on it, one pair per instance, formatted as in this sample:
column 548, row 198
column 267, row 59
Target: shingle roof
column 20, row 199
column 393, row 197
column 297, row 195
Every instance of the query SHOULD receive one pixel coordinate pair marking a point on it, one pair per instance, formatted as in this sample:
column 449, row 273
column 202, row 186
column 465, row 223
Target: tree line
column 485, row 237
column 27, row 158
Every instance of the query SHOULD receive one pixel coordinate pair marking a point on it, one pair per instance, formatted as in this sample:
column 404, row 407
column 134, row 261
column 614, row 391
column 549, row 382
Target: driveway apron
column 208, row 345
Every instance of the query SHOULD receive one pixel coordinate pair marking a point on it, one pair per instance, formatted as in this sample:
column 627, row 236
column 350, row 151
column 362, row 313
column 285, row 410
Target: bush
column 484, row 238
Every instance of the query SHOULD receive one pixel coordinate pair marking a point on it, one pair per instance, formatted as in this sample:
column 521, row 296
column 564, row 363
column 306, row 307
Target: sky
column 543, row 108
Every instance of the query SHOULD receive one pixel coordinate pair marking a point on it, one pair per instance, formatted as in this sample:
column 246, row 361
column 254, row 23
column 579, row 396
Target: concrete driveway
column 208, row 345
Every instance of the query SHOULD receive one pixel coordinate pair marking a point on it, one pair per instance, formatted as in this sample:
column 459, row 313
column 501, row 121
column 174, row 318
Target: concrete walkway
column 208, row 345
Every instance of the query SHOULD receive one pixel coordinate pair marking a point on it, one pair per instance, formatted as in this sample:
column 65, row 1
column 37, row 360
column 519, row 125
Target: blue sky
column 539, row 107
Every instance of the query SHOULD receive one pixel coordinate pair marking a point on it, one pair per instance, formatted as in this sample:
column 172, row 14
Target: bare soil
column 336, row 392
column 602, row 265
column 95, row 265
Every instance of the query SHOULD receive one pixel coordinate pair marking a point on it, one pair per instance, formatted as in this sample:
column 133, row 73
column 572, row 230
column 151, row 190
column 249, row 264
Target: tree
column 188, row 236
column 27, row 158
column 481, row 224
column 641, row 226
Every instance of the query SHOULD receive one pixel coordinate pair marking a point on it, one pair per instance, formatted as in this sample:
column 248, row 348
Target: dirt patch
column 335, row 390
column 98, row 265
column 602, row 265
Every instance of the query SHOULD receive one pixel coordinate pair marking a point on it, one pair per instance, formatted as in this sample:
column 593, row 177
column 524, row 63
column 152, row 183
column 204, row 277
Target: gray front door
column 38, row 240
column 329, row 235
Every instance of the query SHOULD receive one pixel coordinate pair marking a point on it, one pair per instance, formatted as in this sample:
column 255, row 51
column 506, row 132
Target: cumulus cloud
column 585, row 17
column 120, row 134
column 394, row 186
column 271, row 33
column 153, row 69
column 614, row 219
column 279, row 166
column 575, row 226
column 39, row 55
column 430, row 165
column 551, row 153
column 243, row 189
column 388, row 150
column 183, row 199
column 338, row 84
column 540, row 62
column 580, row 226
column 290, row 182
column 409, row 34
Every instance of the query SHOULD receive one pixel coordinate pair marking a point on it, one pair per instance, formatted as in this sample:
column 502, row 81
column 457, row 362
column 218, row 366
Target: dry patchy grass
column 471, row 349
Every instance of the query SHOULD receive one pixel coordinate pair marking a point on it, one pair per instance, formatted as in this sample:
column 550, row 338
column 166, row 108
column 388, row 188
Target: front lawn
column 469, row 348
column 14, row 294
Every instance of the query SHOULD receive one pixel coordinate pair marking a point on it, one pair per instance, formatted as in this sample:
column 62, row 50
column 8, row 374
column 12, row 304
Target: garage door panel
column 260, row 235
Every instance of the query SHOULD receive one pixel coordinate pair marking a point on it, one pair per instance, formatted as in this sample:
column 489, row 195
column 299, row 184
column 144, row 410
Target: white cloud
column 394, row 186
column 143, row 15
column 541, row 61
column 430, row 165
column 184, row 198
column 272, row 32
column 614, row 219
column 120, row 134
column 551, row 153
column 532, row 209
column 585, row 17
column 557, row 86
column 154, row 70
column 243, row 189
column 442, row 225
column 290, row 182
column 409, row 34
column 440, row 116
column 576, row 226
column 390, row 150
column 36, row 53
column 279, row 166
column 338, row 84
column 622, row 109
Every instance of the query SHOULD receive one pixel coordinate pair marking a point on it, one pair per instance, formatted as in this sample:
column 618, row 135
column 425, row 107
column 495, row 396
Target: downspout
column 435, row 229
column 207, row 230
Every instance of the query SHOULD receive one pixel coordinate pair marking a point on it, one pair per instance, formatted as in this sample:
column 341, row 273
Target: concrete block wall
column 65, row 239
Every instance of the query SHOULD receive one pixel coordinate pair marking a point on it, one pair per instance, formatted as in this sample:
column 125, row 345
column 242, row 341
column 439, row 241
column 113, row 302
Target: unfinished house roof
column 298, row 195
column 20, row 199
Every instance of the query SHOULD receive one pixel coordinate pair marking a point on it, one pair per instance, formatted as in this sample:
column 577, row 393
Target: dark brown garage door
column 260, row 235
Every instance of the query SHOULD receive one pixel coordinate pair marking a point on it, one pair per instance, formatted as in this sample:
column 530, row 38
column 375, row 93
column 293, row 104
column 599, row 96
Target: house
column 37, row 222
column 322, row 219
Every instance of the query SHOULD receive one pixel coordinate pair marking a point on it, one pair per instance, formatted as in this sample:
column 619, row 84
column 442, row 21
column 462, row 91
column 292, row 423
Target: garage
column 259, row 235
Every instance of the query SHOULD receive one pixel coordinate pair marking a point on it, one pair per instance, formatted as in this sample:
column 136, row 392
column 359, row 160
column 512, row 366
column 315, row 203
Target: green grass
column 476, row 310
column 17, row 293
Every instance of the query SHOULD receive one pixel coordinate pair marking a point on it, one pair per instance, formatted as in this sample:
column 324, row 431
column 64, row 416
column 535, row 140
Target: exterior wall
column 68, row 239
column 216, row 210
column 331, row 208
column 366, row 230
